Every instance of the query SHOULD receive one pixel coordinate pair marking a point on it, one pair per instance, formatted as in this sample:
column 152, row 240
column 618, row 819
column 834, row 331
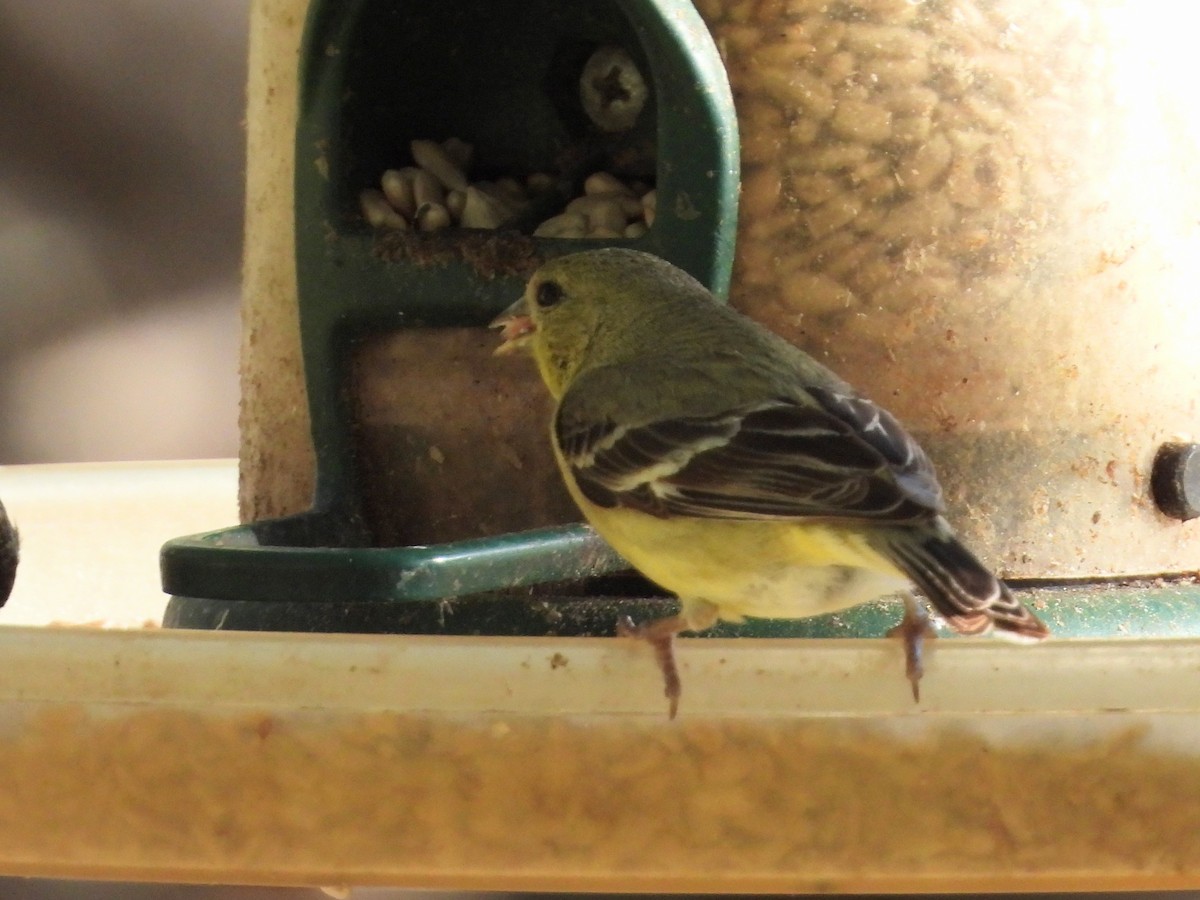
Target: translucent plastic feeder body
column 982, row 214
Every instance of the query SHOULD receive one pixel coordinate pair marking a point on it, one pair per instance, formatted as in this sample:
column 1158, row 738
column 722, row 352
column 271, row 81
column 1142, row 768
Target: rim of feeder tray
column 276, row 576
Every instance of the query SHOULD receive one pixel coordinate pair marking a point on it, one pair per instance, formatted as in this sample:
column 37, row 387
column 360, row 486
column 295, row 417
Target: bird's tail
column 970, row 598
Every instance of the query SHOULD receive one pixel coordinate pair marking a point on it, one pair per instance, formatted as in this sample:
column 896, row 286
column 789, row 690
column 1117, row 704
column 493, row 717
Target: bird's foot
column 660, row 634
column 913, row 629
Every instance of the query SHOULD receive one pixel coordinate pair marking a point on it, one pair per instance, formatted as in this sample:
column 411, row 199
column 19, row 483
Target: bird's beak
column 516, row 328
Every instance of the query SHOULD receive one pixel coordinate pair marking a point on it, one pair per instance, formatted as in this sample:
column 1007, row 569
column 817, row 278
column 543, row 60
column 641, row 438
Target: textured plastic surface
column 793, row 766
column 982, row 214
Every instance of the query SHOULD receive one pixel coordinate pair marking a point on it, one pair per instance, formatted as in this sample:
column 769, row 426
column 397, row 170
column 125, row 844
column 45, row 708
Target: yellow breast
column 749, row 568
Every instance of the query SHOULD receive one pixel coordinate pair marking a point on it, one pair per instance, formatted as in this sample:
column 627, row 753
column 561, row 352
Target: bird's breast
column 750, row 568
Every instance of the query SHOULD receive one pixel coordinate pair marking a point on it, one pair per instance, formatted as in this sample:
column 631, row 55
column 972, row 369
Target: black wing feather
column 840, row 457
column 883, row 432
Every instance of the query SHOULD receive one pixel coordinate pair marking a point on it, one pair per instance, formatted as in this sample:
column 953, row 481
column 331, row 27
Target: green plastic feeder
column 374, row 76
column 496, row 73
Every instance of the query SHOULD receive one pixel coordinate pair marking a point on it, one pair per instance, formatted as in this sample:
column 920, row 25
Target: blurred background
column 121, row 166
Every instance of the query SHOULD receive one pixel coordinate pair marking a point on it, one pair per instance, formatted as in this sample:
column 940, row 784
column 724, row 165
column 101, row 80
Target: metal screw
column 612, row 89
column 1175, row 480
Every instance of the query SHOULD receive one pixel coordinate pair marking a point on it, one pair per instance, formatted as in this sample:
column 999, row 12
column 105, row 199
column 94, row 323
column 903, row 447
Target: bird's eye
column 548, row 293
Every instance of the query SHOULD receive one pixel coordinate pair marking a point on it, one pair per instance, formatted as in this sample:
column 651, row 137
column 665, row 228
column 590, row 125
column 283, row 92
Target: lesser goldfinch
column 731, row 468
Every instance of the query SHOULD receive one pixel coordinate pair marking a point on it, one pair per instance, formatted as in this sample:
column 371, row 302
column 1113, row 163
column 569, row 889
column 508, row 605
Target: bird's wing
column 837, row 458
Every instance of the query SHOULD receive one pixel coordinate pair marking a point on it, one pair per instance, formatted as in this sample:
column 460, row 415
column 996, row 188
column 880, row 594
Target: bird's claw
column 913, row 629
column 660, row 635
column 627, row 628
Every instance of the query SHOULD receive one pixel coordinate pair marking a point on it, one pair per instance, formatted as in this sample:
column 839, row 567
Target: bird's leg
column 661, row 636
column 913, row 629
column 695, row 615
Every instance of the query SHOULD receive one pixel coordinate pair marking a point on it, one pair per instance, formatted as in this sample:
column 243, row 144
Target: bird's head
column 598, row 305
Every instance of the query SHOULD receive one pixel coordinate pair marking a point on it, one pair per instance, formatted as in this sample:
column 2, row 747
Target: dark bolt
column 1175, row 480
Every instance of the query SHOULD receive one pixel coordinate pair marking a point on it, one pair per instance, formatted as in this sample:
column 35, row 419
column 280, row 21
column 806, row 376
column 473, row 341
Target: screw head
column 612, row 89
column 1175, row 480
